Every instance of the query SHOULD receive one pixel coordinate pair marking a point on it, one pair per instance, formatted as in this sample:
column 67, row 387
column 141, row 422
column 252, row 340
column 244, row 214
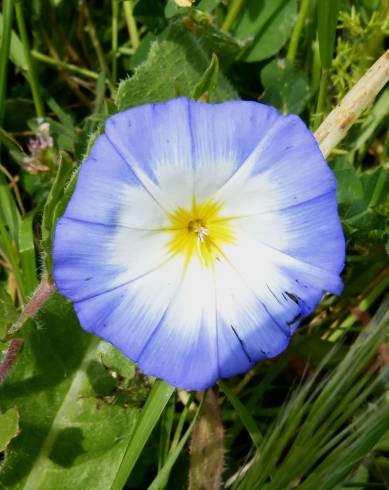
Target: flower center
column 199, row 227
column 199, row 232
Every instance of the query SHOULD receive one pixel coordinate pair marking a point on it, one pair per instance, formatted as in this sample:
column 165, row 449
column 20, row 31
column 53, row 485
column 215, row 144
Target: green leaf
column 163, row 475
column 327, row 18
column 268, row 23
column 286, row 87
column 173, row 9
column 212, row 38
column 173, row 68
column 9, row 427
column 27, row 254
column 208, row 5
column 8, row 312
column 16, row 50
column 152, row 411
column 242, row 412
column 52, row 210
column 207, row 85
column 75, row 426
column 363, row 198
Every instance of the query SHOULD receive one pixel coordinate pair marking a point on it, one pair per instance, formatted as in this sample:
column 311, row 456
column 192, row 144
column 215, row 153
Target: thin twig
column 338, row 122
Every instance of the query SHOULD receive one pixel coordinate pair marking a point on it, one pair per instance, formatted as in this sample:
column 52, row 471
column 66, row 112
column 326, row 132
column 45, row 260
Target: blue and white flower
column 199, row 235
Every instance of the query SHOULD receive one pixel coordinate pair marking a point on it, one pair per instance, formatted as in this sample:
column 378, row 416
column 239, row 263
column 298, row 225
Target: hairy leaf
column 173, row 68
column 9, row 427
column 75, row 417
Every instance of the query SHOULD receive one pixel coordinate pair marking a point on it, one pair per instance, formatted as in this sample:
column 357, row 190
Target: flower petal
column 309, row 231
column 192, row 149
column 247, row 331
column 91, row 258
column 108, row 193
column 183, row 348
column 285, row 169
column 128, row 315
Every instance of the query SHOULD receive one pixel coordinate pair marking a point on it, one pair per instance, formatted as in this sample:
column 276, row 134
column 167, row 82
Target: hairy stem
column 10, row 357
column 41, row 295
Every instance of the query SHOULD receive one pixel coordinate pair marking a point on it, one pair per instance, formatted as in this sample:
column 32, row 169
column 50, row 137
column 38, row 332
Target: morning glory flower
column 198, row 236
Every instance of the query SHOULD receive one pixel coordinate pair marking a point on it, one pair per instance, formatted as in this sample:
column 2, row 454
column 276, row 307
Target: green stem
column 159, row 396
column 232, row 14
column 364, row 305
column 181, row 422
column 61, row 64
column 321, row 99
column 95, row 40
column 131, row 23
column 4, row 53
column 31, row 75
column 115, row 16
column 298, row 27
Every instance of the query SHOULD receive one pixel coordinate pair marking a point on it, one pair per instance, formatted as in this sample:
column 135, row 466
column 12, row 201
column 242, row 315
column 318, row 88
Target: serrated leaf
column 74, row 426
column 173, row 68
column 9, row 427
column 268, row 23
column 286, row 87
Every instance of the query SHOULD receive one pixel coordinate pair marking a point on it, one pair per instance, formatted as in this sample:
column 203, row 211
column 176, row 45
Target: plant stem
column 95, row 39
column 41, row 295
column 115, row 15
column 339, row 121
column 298, row 27
column 232, row 13
column 61, row 64
column 131, row 23
column 9, row 358
column 31, row 75
column 321, row 99
column 4, row 53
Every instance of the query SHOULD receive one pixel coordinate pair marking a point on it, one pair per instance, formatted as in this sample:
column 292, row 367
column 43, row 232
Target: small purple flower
column 199, row 235
column 34, row 163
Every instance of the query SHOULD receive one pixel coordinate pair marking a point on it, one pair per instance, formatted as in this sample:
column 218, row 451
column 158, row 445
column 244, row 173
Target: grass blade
column 245, row 416
column 158, row 398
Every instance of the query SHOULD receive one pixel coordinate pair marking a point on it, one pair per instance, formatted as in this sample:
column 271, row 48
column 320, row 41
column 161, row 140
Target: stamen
column 202, row 232
column 197, row 226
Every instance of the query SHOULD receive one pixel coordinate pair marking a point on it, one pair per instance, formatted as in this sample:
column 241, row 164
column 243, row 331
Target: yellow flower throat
column 199, row 232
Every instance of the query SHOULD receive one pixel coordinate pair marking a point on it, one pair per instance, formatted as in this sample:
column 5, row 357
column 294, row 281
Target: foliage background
column 73, row 410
